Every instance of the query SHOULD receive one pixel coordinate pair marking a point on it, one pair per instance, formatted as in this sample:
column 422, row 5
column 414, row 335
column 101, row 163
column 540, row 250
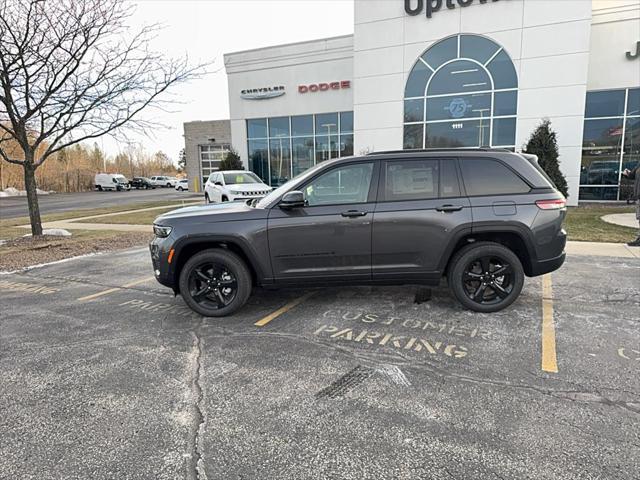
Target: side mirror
column 293, row 199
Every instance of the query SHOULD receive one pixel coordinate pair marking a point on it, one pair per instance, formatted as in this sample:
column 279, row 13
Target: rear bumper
column 546, row 266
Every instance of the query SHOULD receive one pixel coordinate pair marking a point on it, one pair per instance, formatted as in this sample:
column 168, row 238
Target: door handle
column 353, row 214
column 449, row 208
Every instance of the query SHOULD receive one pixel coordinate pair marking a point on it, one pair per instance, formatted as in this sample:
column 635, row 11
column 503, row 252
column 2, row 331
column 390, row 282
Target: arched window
column 462, row 92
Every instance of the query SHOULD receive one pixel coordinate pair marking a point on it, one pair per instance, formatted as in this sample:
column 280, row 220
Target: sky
column 206, row 29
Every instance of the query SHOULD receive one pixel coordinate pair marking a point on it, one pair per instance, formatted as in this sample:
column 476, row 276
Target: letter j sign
column 633, row 56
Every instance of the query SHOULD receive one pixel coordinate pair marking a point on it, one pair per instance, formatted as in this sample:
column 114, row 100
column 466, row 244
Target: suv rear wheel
column 215, row 283
column 486, row 277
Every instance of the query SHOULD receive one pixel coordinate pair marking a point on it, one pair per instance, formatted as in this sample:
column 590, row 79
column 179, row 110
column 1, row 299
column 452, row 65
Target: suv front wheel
column 486, row 276
column 215, row 283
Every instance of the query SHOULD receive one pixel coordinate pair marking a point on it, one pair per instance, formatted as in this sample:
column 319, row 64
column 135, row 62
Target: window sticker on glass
column 408, row 181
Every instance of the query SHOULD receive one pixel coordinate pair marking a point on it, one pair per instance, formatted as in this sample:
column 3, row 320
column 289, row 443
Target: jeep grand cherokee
column 482, row 218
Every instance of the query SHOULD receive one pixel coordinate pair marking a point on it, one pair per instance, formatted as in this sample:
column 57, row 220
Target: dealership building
column 446, row 73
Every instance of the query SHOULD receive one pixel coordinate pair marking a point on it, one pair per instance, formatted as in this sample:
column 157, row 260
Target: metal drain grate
column 345, row 383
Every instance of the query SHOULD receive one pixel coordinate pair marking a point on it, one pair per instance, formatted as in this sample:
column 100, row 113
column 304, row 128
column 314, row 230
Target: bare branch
column 74, row 70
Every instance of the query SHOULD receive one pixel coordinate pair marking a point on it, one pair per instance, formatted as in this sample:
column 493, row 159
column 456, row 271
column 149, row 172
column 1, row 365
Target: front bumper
column 160, row 249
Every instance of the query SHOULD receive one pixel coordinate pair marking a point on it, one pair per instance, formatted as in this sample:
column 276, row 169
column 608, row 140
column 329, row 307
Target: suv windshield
column 240, row 177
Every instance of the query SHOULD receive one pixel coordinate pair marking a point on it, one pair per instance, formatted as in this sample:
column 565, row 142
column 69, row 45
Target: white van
column 111, row 181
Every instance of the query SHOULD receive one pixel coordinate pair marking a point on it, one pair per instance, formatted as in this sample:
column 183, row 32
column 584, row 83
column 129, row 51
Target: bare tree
column 72, row 71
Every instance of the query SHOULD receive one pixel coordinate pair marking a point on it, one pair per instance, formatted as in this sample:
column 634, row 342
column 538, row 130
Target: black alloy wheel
column 488, row 280
column 212, row 286
column 215, row 283
column 485, row 276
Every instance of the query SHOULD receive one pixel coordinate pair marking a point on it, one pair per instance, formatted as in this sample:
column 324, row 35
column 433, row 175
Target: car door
column 420, row 211
column 217, row 188
column 330, row 237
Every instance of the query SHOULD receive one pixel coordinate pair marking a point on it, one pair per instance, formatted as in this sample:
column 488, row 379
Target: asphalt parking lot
column 106, row 375
column 13, row 207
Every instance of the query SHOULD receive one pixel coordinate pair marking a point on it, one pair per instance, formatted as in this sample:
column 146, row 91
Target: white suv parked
column 162, row 181
column 232, row 185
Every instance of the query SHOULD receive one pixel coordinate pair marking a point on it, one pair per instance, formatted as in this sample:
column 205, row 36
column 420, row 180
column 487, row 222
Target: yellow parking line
column 262, row 322
column 549, row 360
column 115, row 289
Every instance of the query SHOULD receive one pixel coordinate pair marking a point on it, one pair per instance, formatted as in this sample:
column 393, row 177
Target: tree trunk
column 32, row 196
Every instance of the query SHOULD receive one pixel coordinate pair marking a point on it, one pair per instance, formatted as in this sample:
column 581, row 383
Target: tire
column 168, row 185
column 99, row 188
column 224, row 199
column 220, row 266
column 481, row 292
column 180, row 189
column 206, row 199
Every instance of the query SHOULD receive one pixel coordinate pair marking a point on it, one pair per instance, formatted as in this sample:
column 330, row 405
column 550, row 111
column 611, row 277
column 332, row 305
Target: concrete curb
column 600, row 249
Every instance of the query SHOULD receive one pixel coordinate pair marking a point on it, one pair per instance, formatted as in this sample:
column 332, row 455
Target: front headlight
column 161, row 231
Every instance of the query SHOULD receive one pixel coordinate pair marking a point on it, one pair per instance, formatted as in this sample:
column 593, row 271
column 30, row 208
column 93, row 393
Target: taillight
column 556, row 204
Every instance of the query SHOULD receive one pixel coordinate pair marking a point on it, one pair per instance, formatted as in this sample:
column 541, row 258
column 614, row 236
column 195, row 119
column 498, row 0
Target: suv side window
column 411, row 180
column 485, row 176
column 343, row 185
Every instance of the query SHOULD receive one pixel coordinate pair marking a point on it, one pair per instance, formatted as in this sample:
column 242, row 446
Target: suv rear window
column 484, row 176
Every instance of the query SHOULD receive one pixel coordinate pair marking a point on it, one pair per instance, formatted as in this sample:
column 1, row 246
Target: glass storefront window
column 505, row 103
column 459, row 77
column 282, row 147
column 441, row 52
column 346, row 145
column 633, row 102
column 503, row 72
column 504, row 131
column 417, row 81
column 327, row 124
column 301, row 125
column 598, row 193
column 459, row 106
column 257, row 128
column 469, row 133
column 414, row 110
column 473, row 80
column 279, row 161
column 479, row 48
column 279, row 127
column 326, row 147
column 609, row 103
column 413, row 136
column 346, row 122
column 302, row 154
column 610, row 144
column 259, row 158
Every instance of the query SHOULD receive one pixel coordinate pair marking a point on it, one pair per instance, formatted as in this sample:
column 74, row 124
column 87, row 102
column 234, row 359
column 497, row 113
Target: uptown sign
column 323, row 87
column 262, row 93
column 433, row 6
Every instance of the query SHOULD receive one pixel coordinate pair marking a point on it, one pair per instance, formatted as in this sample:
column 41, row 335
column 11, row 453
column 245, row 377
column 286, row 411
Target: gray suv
column 482, row 218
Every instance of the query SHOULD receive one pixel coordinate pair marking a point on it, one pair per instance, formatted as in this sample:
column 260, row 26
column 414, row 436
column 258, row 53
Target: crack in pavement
column 195, row 467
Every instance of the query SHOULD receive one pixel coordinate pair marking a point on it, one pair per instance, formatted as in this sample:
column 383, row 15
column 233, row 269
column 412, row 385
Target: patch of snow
column 14, row 192
column 40, row 265
column 57, row 232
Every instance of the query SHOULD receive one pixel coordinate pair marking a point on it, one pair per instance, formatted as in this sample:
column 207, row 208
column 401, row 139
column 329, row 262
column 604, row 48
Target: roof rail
column 427, row 150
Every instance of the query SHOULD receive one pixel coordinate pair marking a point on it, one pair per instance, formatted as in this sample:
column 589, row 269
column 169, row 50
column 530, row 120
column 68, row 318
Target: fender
column 459, row 233
column 239, row 242
column 512, row 227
